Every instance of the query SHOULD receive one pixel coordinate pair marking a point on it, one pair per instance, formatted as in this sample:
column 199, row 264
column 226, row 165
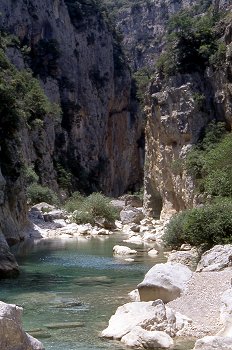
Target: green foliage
column 89, row 209
column 21, row 97
column 207, row 226
column 64, row 176
column 177, row 166
column 192, row 43
column 37, row 193
column 210, row 162
column 30, row 175
column 142, row 78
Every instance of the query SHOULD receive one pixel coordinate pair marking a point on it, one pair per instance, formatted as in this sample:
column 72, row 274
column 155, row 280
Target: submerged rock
column 12, row 336
column 165, row 282
column 63, row 325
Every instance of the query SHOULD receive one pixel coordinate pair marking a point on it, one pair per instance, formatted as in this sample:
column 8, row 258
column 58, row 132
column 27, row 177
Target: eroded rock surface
column 12, row 335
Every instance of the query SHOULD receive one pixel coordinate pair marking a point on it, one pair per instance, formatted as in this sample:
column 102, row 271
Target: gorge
column 111, row 97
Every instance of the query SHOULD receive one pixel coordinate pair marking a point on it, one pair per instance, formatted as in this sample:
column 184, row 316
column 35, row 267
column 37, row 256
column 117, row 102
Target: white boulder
column 151, row 316
column 143, row 339
column 153, row 253
column 123, row 250
column 12, row 336
column 213, row 342
column 165, row 282
column 216, row 258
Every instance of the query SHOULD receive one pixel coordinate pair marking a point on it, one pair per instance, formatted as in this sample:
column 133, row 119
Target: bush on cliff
column 207, row 226
column 37, row 193
column 90, row 209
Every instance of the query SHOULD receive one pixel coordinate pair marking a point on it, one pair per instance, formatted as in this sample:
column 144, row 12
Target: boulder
column 216, row 258
column 123, row 250
column 54, row 215
column 153, row 253
column 8, row 263
column 12, row 336
column 226, row 314
column 165, row 282
column 131, row 215
column 142, row 339
column 213, row 342
column 151, row 316
column 188, row 258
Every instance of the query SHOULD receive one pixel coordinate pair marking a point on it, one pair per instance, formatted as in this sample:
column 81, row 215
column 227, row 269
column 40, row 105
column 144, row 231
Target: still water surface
column 74, row 280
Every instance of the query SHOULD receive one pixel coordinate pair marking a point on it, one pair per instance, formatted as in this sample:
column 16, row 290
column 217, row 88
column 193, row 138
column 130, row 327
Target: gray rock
column 12, row 336
column 8, row 263
column 123, row 250
column 188, row 258
column 216, row 258
column 131, row 215
column 165, row 282
column 214, row 342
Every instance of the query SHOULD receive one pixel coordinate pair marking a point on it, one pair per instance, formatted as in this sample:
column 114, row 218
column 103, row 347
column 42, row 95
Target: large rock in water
column 216, row 258
column 123, row 250
column 8, row 264
column 150, row 316
column 165, row 282
column 12, row 336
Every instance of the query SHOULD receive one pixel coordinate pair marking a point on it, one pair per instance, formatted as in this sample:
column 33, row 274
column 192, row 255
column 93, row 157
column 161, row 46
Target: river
column 77, row 281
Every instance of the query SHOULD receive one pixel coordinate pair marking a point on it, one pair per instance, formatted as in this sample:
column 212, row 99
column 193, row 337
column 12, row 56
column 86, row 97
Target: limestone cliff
column 71, row 48
column 69, row 45
column 176, row 118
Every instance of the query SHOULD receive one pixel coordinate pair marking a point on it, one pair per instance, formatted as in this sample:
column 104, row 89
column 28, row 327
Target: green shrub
column 210, row 162
column 89, row 209
column 37, row 193
column 74, row 202
column 207, row 226
column 30, row 175
column 192, row 43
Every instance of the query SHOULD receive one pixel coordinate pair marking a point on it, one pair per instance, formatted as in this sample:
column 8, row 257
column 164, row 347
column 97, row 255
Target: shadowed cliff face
column 72, row 50
column 79, row 61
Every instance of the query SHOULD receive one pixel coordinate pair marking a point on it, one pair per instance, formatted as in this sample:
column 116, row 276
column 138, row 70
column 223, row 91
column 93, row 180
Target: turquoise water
column 74, row 280
column 78, row 281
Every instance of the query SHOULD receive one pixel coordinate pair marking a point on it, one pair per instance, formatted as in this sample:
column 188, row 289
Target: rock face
column 8, row 264
column 175, row 120
column 165, row 282
column 81, row 66
column 216, row 259
column 12, row 335
column 142, row 320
